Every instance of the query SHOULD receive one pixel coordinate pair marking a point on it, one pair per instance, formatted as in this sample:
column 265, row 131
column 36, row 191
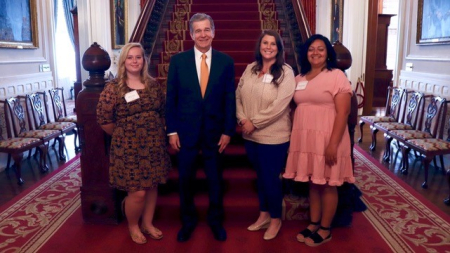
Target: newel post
column 98, row 201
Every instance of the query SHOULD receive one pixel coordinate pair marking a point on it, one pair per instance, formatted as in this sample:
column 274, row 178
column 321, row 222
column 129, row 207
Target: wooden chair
column 408, row 121
column 19, row 124
column 394, row 100
column 15, row 147
column 60, row 112
column 428, row 128
column 38, row 103
column 431, row 147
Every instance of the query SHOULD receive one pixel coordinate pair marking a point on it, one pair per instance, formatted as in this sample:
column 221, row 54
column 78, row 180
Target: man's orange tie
column 204, row 75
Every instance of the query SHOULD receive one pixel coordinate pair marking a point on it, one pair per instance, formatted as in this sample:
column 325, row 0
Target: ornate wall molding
column 428, row 83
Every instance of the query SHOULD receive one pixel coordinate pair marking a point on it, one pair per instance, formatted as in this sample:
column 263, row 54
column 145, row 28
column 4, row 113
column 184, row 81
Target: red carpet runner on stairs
column 48, row 219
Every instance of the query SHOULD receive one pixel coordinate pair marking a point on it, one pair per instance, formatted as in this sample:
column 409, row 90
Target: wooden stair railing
column 299, row 26
column 148, row 24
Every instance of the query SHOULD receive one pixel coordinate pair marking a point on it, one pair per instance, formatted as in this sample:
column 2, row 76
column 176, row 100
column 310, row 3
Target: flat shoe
column 153, row 236
column 256, row 227
column 269, row 236
column 139, row 239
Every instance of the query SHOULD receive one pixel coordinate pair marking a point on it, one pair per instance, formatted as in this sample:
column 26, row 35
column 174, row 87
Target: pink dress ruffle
column 312, row 128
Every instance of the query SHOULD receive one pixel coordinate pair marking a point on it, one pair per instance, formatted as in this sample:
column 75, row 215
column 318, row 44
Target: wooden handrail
column 300, row 14
column 141, row 24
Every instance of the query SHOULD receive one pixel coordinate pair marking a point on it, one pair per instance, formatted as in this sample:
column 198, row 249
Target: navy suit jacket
column 195, row 118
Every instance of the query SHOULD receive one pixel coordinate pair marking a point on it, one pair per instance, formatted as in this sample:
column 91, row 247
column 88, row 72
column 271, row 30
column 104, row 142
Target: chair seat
column 18, row 143
column 430, row 144
column 38, row 133
column 372, row 119
column 57, row 126
column 410, row 134
column 389, row 126
column 72, row 119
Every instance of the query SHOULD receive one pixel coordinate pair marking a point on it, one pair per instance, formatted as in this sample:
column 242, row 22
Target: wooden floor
column 438, row 186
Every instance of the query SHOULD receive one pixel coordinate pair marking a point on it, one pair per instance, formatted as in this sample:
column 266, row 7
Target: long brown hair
column 121, row 79
column 276, row 70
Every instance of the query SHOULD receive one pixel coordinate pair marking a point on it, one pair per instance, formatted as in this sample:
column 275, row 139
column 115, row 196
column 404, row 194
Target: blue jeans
column 268, row 160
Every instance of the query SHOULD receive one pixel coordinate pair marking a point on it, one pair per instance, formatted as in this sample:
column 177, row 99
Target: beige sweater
column 266, row 106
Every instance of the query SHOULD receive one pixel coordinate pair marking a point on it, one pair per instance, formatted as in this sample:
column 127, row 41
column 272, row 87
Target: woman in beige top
column 262, row 100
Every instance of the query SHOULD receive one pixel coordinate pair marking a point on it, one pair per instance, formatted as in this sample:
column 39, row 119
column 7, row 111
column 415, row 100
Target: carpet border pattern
column 406, row 223
column 34, row 218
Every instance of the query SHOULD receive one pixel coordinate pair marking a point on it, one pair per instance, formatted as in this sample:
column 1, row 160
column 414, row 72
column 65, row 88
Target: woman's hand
column 247, row 126
column 331, row 155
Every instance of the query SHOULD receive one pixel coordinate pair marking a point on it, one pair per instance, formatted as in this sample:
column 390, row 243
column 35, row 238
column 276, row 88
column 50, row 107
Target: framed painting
column 119, row 23
column 337, row 15
column 433, row 22
column 18, row 24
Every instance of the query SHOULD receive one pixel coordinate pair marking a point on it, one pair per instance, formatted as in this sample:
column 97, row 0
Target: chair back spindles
column 58, row 103
column 16, row 110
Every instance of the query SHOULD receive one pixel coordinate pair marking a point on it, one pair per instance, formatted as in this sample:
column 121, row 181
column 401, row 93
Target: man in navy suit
column 200, row 118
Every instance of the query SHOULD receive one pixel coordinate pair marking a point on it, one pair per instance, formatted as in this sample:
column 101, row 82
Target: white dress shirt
column 198, row 60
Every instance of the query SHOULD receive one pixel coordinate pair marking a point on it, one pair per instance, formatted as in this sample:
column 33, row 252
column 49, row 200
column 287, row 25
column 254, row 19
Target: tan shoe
column 256, row 227
column 270, row 236
column 138, row 238
column 155, row 235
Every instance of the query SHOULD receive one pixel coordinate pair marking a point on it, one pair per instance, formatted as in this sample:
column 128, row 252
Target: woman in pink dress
column 319, row 151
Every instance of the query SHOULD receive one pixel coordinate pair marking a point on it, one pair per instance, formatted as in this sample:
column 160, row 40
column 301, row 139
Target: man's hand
column 223, row 142
column 174, row 142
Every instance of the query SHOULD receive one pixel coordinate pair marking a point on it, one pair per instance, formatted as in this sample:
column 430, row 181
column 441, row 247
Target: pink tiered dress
column 311, row 132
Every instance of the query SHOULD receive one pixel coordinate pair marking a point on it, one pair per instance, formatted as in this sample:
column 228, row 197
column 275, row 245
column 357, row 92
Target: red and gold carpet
column 48, row 219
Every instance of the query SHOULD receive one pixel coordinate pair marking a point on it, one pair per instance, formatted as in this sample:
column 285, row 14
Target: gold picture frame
column 19, row 28
column 119, row 23
column 433, row 22
column 337, row 18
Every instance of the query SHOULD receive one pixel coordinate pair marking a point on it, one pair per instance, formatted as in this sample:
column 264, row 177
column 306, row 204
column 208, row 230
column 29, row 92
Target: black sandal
column 306, row 232
column 317, row 239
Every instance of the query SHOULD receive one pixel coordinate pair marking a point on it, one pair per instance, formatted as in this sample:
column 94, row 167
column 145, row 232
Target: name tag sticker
column 301, row 85
column 131, row 96
column 267, row 78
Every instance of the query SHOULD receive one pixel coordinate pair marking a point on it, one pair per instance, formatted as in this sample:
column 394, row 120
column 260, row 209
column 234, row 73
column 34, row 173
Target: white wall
column 354, row 32
column 95, row 26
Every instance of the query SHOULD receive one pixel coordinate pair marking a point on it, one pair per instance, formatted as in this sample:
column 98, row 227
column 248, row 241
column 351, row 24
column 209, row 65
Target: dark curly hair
column 305, row 66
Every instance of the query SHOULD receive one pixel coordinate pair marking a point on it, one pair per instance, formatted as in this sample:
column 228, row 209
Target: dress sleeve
column 106, row 105
column 342, row 84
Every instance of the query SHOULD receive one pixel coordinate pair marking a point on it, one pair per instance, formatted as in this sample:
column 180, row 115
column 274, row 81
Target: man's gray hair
column 200, row 17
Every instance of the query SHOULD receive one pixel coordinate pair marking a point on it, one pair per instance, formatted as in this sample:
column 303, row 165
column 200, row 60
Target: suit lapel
column 192, row 70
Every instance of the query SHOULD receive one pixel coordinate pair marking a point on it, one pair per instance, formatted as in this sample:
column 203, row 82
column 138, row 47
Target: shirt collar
column 198, row 54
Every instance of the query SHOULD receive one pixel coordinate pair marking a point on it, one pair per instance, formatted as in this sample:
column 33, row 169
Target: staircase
column 238, row 24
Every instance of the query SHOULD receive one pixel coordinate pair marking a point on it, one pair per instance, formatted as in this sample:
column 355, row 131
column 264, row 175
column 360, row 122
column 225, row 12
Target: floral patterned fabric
column 72, row 119
column 393, row 126
column 17, row 143
column 62, row 126
column 138, row 157
column 410, row 134
column 38, row 133
column 373, row 119
column 430, row 144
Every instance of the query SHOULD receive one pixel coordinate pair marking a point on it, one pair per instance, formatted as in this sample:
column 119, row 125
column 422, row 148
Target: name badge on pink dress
column 301, row 85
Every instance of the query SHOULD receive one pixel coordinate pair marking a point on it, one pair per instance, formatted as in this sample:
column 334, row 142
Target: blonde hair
column 121, row 79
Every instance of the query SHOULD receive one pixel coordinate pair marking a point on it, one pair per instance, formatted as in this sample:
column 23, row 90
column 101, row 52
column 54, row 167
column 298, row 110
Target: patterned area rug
column 402, row 218
column 31, row 220
column 407, row 221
